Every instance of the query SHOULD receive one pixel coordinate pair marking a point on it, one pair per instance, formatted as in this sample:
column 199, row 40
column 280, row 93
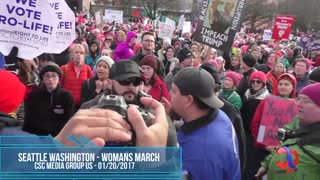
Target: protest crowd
column 218, row 106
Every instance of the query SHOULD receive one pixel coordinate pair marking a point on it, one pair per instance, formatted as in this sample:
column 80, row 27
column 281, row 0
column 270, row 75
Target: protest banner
column 99, row 19
column 66, row 32
column 186, row 27
column 166, row 30
column 282, row 27
column 277, row 113
column 267, row 34
column 182, row 19
column 139, row 36
column 146, row 21
column 30, row 25
column 310, row 42
column 218, row 23
column 155, row 25
column 170, row 22
column 291, row 36
column 113, row 16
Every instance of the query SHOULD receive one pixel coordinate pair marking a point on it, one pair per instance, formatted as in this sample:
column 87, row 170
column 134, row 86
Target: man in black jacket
column 247, row 65
column 233, row 114
column 48, row 108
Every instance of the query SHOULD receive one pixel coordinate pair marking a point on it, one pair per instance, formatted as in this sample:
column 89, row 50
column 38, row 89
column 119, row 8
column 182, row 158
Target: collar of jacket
column 72, row 65
column 306, row 76
column 57, row 89
column 196, row 124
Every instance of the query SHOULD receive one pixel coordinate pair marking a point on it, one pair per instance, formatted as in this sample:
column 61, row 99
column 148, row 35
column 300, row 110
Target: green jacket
column 232, row 97
column 306, row 167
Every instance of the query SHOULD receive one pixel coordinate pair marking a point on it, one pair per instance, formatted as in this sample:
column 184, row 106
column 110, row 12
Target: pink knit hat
column 236, row 77
column 213, row 62
column 312, row 91
column 259, row 75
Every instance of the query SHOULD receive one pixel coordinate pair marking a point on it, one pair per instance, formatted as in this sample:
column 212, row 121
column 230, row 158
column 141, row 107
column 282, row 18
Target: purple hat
column 312, row 91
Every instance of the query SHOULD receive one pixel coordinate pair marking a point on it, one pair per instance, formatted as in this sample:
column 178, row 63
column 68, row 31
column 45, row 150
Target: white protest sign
column 139, row 38
column 291, row 36
column 29, row 25
column 181, row 22
column 170, row 22
column 66, row 32
column 146, row 21
column 267, row 34
column 155, row 24
column 186, row 27
column 97, row 16
column 113, row 15
column 166, row 30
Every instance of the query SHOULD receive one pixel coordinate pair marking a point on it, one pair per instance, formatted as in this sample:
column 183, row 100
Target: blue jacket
column 301, row 83
column 1, row 61
column 91, row 61
column 210, row 148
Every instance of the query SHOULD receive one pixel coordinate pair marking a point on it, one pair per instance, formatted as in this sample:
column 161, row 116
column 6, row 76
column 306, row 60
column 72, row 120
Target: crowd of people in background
column 214, row 99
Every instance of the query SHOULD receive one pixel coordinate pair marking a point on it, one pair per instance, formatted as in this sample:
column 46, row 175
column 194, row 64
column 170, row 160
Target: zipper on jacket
column 51, row 99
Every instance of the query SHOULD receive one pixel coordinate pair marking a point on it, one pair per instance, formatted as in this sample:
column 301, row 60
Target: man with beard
column 126, row 81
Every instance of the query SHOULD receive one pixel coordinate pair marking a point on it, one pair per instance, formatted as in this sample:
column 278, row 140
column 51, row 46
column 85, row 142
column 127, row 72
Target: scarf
column 254, row 95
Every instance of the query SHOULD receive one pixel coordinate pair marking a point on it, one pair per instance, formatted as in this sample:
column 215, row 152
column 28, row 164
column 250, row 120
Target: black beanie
column 249, row 60
column 184, row 54
column 213, row 72
column 315, row 75
column 51, row 67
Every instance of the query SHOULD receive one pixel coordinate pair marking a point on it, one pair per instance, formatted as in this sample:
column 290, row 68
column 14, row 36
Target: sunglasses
column 108, row 39
column 256, row 81
column 127, row 82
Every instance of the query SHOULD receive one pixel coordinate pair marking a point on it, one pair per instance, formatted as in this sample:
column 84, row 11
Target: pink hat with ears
column 236, row 77
column 213, row 62
column 244, row 48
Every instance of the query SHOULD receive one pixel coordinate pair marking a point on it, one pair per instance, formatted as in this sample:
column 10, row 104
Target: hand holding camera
column 104, row 125
column 139, row 111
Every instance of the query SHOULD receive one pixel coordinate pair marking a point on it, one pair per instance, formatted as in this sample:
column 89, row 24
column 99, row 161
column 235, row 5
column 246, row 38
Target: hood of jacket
column 130, row 35
column 293, row 80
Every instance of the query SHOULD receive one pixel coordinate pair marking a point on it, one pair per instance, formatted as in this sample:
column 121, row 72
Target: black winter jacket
column 88, row 90
column 235, row 117
column 46, row 113
column 244, row 85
